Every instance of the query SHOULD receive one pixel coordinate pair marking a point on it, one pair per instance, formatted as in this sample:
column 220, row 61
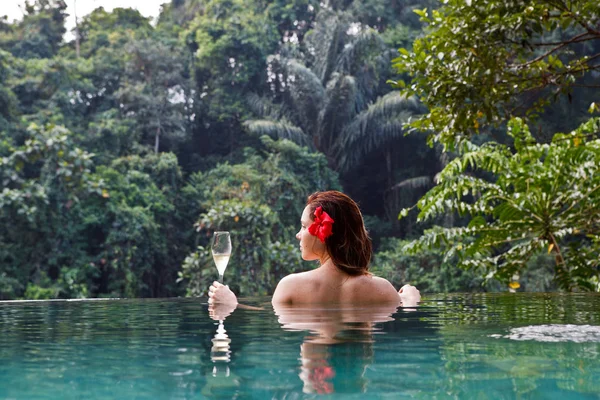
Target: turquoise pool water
column 480, row 346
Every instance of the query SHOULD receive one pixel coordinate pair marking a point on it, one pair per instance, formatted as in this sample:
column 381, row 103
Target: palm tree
column 332, row 102
column 333, row 96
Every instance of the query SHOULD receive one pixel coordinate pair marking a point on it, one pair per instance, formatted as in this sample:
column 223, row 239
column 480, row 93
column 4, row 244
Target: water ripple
column 554, row 333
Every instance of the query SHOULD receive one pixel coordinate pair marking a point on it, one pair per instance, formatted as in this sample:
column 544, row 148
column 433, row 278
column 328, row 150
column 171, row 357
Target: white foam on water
column 554, row 333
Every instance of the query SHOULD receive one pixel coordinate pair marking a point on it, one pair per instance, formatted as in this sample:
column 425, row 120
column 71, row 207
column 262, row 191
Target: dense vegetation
column 121, row 152
column 492, row 66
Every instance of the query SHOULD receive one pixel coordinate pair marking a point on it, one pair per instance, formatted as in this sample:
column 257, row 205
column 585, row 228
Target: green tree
column 482, row 62
column 329, row 93
column 101, row 29
column 104, row 75
column 155, row 91
column 230, row 41
column 43, row 183
column 137, row 236
column 319, row 100
column 8, row 100
column 293, row 18
column 428, row 270
column 539, row 197
column 259, row 202
column 40, row 33
column 122, row 224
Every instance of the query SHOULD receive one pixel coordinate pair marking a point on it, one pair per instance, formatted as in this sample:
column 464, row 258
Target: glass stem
column 221, row 278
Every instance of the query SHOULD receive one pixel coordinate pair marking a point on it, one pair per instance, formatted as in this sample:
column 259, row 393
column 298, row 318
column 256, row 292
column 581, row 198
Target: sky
column 148, row 8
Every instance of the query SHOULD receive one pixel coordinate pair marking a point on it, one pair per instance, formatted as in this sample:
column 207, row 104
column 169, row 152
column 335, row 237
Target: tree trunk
column 388, row 165
column 156, row 140
column 76, row 29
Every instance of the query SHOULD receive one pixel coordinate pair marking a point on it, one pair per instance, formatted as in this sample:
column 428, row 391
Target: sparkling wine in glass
column 221, row 251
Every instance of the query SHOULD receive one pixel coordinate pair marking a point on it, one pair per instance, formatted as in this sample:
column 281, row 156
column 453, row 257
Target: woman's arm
column 219, row 293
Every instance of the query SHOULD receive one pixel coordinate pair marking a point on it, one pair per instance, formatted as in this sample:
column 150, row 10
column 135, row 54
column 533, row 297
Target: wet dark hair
column 349, row 245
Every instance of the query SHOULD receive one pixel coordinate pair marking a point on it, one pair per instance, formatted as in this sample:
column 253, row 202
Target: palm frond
column 277, row 130
column 306, row 94
column 368, row 46
column 366, row 58
column 264, row 107
column 414, row 183
column 381, row 123
column 340, row 107
column 325, row 42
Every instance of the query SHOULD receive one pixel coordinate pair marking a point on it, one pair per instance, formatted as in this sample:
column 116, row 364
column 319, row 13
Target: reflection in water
column 221, row 380
column 339, row 348
column 554, row 333
column 220, row 350
column 160, row 350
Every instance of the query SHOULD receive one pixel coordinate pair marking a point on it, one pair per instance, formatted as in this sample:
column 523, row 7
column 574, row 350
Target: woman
column 333, row 232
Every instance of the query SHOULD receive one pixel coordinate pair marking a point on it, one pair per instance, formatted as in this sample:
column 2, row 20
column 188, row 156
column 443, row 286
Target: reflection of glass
column 221, row 382
column 335, row 355
column 221, row 251
column 220, row 350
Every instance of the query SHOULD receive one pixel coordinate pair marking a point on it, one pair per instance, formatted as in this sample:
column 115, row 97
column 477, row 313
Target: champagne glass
column 221, row 251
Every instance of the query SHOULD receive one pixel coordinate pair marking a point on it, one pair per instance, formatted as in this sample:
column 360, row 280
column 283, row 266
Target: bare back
column 319, row 286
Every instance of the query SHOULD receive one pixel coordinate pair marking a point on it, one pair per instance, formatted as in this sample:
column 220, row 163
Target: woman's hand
column 409, row 295
column 219, row 293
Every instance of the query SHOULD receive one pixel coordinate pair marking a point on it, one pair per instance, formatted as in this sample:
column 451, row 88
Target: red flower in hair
column 322, row 227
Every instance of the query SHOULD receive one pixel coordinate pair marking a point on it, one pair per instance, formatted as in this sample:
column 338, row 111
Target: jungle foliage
column 483, row 62
column 119, row 157
column 489, row 66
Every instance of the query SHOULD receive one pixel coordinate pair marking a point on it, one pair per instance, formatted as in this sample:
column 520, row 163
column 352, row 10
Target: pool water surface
column 480, row 346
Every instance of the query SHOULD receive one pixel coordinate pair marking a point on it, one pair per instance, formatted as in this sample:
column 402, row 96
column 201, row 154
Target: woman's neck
column 328, row 265
column 326, row 259
column 332, row 275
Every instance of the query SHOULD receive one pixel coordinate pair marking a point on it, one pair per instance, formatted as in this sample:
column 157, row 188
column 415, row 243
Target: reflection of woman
column 334, row 357
column 337, row 368
column 333, row 232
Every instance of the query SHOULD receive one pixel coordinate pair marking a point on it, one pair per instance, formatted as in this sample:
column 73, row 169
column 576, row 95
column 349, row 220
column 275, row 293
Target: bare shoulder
column 370, row 288
column 297, row 278
column 288, row 286
column 381, row 282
